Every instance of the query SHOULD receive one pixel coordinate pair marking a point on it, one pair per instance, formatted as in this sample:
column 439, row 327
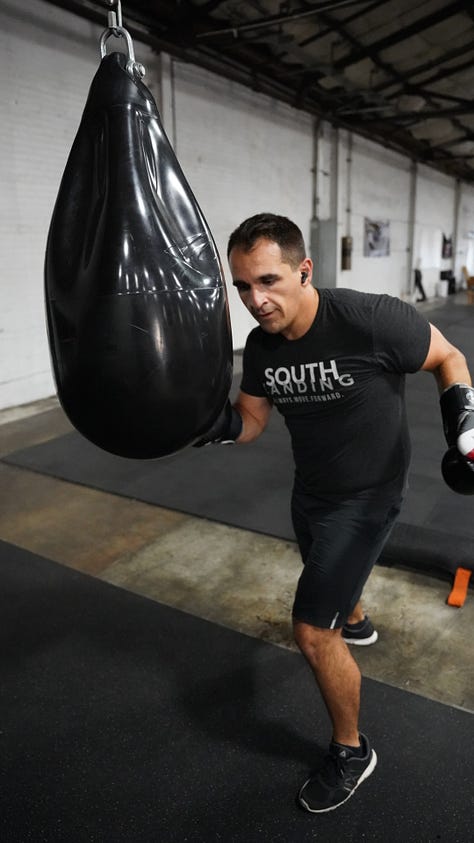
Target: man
column 333, row 362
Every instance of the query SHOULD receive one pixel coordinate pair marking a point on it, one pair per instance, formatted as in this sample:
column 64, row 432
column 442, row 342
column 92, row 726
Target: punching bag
column 137, row 311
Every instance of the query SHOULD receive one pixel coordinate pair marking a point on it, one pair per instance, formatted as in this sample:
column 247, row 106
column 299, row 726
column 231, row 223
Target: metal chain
column 115, row 17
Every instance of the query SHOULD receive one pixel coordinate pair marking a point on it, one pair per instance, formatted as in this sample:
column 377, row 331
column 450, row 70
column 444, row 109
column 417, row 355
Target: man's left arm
column 447, row 362
column 449, row 366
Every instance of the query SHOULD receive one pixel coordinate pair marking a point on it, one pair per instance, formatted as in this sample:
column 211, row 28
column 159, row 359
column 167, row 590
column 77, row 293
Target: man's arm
column 446, row 362
column 254, row 412
column 449, row 367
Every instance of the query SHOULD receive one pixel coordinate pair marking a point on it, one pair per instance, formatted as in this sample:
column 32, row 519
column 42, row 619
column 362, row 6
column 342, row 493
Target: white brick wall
column 465, row 247
column 40, row 99
column 380, row 181
column 241, row 152
column 435, row 210
column 47, row 61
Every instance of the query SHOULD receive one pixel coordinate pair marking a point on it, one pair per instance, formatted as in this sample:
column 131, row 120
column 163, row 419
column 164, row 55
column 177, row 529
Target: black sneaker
column 361, row 633
column 338, row 778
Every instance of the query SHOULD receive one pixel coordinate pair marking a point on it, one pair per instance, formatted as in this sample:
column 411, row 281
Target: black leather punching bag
column 136, row 303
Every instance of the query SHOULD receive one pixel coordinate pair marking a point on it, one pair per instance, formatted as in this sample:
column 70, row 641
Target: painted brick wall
column 241, row 152
column 380, row 182
column 435, row 215
column 465, row 245
column 47, row 62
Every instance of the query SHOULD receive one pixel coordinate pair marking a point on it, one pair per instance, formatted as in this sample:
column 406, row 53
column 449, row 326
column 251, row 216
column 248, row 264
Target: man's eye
column 241, row 287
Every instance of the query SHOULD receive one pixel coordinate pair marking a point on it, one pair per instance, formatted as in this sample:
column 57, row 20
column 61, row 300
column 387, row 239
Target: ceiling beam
column 414, row 117
column 443, row 73
column 401, row 34
column 467, row 135
column 276, row 20
column 327, row 30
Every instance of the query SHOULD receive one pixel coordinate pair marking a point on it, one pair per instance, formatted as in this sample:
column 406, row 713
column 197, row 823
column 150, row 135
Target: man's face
column 269, row 288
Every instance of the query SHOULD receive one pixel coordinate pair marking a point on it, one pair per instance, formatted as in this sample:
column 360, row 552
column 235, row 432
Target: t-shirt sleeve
column 401, row 335
column 251, row 383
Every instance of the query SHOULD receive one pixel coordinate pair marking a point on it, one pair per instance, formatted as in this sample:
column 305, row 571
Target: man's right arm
column 254, row 412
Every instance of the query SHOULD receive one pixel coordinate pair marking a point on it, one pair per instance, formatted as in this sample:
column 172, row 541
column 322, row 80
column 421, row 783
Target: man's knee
column 313, row 639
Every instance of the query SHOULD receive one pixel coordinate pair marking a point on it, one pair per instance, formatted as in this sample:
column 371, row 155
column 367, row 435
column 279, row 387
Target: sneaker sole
column 362, row 642
column 365, row 775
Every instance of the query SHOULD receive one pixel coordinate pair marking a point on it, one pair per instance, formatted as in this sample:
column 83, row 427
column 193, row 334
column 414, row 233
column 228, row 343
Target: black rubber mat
column 124, row 720
column 250, row 486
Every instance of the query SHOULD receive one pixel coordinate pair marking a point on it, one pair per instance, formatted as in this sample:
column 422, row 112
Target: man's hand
column 457, row 410
column 225, row 430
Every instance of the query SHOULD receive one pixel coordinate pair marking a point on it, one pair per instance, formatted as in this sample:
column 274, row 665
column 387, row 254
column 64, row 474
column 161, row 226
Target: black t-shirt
column 340, row 388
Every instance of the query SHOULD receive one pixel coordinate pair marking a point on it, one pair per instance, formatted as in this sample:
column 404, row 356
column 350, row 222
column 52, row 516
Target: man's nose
column 257, row 298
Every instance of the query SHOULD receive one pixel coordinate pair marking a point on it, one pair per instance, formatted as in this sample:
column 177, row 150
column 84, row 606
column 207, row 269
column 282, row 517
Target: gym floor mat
column 126, row 720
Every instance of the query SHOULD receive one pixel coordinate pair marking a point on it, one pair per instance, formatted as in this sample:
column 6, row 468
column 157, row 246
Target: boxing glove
column 457, row 410
column 225, row 430
column 456, row 473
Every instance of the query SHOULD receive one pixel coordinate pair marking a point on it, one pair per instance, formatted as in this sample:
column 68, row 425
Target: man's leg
column 350, row 759
column 337, row 676
column 339, row 544
column 357, row 615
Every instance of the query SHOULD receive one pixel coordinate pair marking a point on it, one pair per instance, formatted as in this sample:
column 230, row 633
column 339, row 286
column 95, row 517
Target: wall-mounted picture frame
column 376, row 238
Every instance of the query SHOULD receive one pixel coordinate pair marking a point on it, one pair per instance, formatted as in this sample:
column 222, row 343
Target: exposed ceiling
column 396, row 71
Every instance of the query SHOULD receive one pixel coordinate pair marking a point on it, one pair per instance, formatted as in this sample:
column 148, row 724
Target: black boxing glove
column 457, row 410
column 456, row 473
column 225, row 430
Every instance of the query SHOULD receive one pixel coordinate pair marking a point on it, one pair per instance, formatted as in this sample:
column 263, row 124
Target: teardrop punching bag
column 136, row 304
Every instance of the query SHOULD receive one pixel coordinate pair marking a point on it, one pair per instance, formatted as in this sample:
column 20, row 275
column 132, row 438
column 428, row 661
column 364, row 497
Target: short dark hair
column 272, row 227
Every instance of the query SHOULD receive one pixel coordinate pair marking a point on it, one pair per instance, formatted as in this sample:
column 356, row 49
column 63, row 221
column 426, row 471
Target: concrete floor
column 236, row 578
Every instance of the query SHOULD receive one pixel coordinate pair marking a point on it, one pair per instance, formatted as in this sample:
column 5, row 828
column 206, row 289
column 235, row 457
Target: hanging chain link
column 114, row 17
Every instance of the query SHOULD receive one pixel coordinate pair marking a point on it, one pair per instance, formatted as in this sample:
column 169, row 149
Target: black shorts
column 340, row 543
